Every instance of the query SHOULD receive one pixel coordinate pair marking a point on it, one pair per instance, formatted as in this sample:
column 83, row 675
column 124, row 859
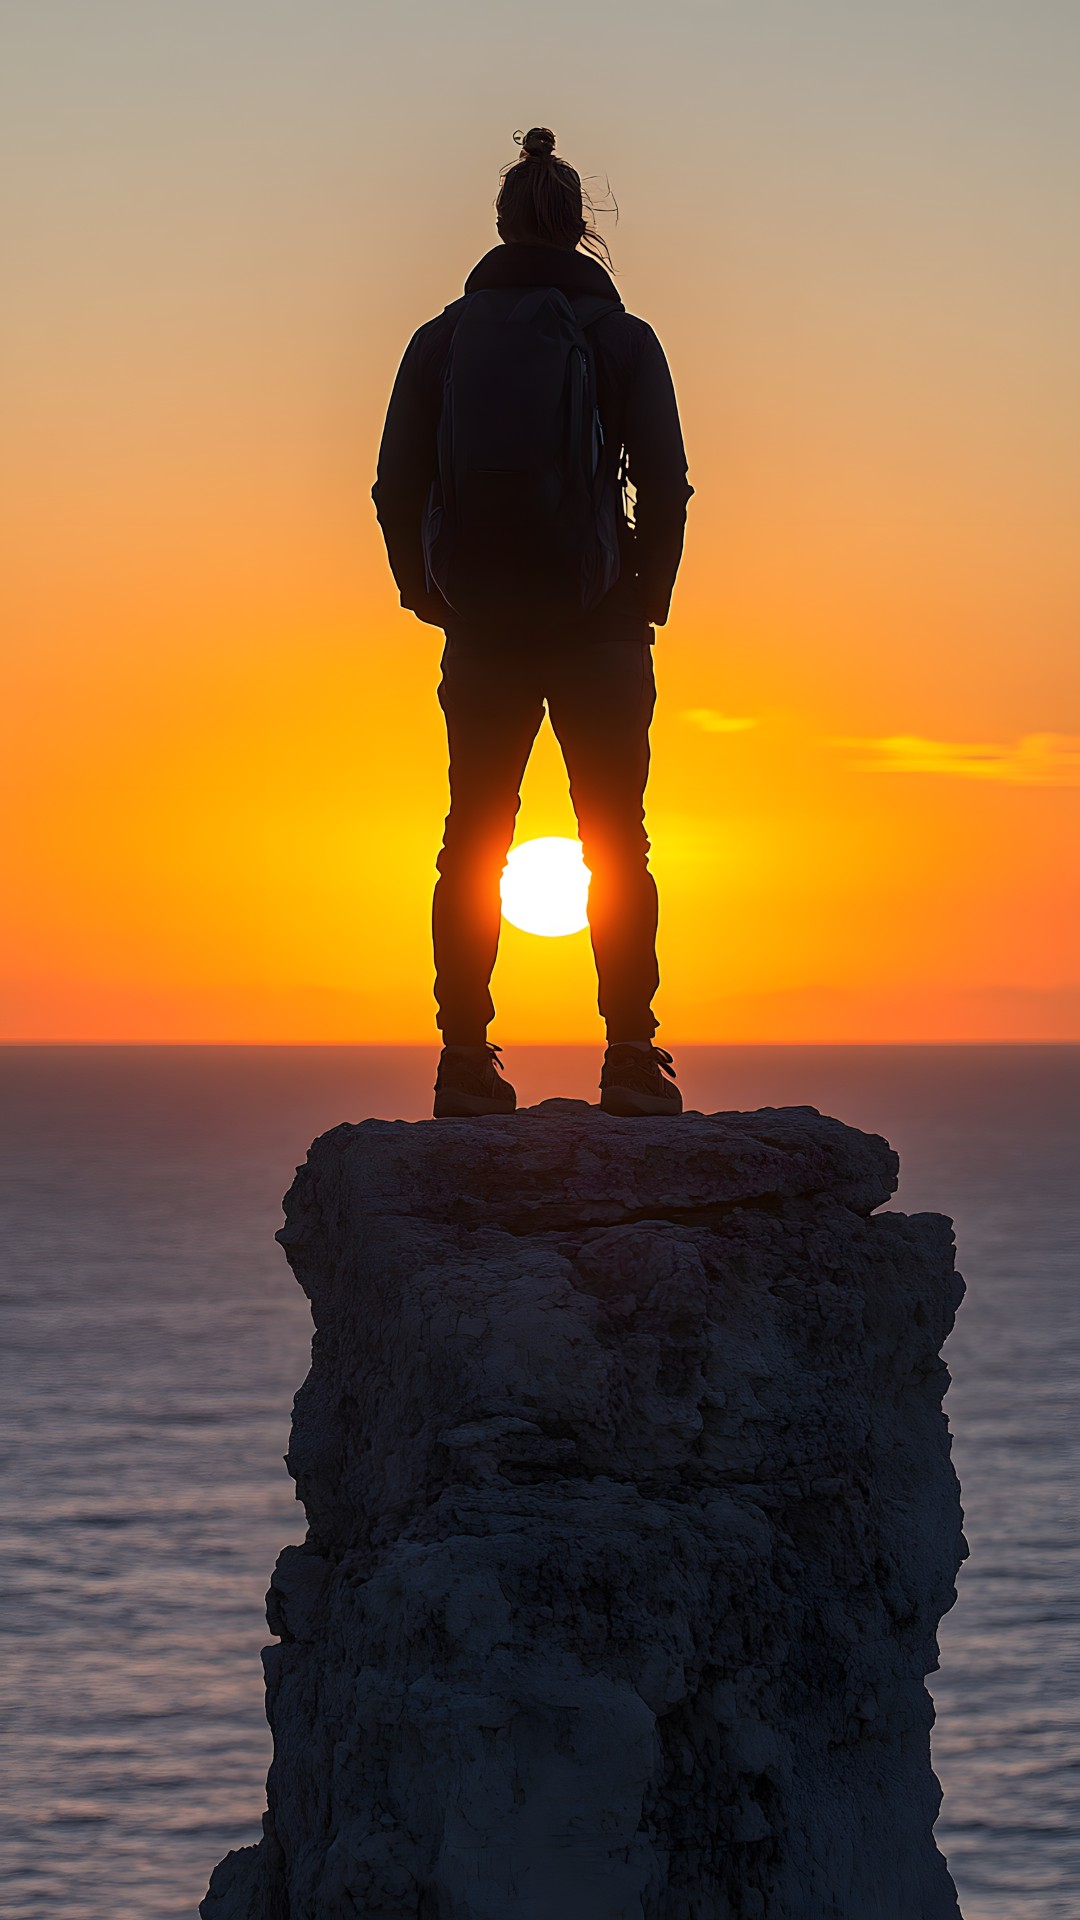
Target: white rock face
column 631, row 1520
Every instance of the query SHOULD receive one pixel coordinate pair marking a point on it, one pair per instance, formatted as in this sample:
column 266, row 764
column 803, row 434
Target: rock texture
column 631, row 1523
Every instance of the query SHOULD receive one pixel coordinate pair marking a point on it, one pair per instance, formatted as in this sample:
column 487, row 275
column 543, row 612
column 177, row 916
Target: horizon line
column 398, row 1046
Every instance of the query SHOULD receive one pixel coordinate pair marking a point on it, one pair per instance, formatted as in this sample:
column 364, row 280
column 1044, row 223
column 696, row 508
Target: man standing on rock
column 519, row 419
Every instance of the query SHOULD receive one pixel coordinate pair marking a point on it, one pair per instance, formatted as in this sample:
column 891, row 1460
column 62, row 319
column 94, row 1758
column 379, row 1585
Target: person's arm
column 406, row 469
column 656, row 460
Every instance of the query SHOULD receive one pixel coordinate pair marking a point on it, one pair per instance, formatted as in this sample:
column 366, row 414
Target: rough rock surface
column 632, row 1520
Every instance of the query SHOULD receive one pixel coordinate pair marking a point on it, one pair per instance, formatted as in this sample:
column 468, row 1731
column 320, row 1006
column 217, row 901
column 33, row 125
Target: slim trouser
column 600, row 696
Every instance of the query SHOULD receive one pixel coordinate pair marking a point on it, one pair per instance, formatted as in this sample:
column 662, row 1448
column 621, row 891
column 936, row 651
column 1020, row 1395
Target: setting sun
column 545, row 887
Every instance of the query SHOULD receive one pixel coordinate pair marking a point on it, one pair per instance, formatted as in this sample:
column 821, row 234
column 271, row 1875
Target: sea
column 153, row 1339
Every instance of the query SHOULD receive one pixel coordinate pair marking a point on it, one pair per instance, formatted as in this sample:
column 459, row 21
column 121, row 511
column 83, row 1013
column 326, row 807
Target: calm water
column 154, row 1339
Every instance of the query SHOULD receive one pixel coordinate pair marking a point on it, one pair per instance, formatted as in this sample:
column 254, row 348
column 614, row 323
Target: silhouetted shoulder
column 424, row 359
column 628, row 342
column 626, row 327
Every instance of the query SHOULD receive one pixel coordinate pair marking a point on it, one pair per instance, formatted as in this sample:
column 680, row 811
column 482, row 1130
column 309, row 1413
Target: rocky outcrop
column 631, row 1522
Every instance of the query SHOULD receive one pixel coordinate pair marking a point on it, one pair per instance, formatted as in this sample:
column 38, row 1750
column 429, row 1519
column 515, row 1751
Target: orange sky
column 224, row 776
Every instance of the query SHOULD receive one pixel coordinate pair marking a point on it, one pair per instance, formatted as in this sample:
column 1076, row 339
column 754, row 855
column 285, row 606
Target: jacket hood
column 518, row 263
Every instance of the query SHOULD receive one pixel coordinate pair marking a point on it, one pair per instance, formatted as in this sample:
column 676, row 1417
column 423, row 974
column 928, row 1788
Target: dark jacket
column 637, row 411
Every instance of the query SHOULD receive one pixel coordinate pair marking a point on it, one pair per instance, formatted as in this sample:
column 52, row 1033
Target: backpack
column 521, row 520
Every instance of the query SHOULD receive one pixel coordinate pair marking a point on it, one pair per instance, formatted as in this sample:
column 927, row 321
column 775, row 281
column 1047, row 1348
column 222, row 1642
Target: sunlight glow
column 545, row 887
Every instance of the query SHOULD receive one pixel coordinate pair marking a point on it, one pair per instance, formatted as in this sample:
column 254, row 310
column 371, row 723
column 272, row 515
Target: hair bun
column 537, row 144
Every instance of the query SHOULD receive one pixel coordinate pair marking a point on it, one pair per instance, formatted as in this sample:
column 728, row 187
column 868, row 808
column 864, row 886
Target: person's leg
column 600, row 698
column 493, row 707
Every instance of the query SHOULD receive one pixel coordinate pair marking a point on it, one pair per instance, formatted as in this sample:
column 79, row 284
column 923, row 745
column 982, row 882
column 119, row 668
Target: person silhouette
column 532, row 491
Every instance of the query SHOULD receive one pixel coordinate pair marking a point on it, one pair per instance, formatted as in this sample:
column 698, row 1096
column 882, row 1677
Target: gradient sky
column 853, row 228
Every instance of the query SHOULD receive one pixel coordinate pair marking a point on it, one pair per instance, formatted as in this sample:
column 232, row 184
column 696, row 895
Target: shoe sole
column 468, row 1106
column 626, row 1103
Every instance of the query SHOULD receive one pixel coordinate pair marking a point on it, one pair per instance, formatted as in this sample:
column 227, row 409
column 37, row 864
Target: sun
column 545, row 887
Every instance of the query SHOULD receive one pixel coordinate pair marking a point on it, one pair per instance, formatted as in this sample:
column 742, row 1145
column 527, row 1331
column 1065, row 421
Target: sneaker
column 633, row 1082
column 468, row 1083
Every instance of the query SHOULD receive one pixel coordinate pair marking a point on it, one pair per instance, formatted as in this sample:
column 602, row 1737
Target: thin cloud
column 710, row 721
column 1036, row 760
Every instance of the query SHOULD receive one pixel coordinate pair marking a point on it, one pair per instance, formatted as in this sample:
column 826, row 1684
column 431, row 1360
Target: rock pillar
column 631, row 1521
